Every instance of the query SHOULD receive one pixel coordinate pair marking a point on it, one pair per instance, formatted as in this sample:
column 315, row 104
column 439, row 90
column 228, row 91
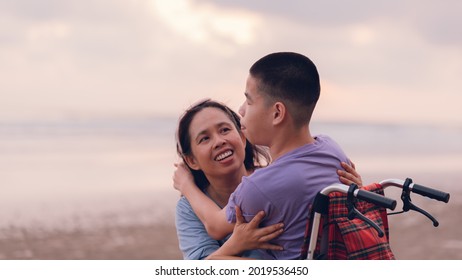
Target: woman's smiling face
column 217, row 147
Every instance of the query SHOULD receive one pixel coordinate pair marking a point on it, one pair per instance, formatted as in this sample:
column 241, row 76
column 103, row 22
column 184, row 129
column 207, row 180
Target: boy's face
column 256, row 115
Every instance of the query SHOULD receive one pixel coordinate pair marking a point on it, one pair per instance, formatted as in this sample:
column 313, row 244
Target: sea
column 54, row 172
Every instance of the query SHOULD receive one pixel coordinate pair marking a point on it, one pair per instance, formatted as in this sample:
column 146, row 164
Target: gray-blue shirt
column 195, row 243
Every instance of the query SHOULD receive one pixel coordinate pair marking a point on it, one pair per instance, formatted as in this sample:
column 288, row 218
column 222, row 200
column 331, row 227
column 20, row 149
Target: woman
column 211, row 144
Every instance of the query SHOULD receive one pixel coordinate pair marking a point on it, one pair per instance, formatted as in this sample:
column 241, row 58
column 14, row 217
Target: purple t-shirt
column 285, row 188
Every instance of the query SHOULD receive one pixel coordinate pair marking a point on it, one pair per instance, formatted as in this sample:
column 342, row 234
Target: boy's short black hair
column 290, row 78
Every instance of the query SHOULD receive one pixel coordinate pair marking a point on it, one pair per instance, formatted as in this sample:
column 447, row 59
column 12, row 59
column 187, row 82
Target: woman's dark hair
column 254, row 155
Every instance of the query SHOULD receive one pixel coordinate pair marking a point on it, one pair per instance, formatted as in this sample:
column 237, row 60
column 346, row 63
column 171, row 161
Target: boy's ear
column 191, row 162
column 279, row 112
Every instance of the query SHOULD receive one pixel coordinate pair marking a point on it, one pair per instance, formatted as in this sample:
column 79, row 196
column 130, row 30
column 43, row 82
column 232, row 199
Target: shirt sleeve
column 193, row 239
column 251, row 200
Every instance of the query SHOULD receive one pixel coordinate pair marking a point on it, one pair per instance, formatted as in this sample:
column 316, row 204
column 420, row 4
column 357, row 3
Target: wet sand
column 412, row 237
column 142, row 242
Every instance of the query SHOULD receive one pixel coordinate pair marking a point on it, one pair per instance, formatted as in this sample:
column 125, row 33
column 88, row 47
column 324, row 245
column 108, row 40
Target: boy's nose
column 242, row 110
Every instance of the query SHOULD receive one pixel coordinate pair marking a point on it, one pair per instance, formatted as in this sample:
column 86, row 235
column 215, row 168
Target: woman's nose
column 219, row 141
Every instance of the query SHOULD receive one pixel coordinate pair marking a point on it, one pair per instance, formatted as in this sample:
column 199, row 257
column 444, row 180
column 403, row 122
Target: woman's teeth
column 223, row 155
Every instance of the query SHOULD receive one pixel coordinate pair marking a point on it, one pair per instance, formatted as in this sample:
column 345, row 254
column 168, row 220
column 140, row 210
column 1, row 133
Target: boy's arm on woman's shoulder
column 207, row 211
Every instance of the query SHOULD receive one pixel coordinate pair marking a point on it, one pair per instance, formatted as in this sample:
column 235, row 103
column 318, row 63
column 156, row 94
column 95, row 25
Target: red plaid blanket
column 352, row 239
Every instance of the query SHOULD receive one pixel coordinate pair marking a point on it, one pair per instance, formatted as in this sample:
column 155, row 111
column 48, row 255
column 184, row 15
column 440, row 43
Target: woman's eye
column 202, row 139
column 225, row 129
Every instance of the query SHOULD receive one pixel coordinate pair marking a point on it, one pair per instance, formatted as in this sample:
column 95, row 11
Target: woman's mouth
column 224, row 155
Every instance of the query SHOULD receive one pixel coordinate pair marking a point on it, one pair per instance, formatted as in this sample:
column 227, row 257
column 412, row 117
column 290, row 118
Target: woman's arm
column 213, row 218
column 248, row 236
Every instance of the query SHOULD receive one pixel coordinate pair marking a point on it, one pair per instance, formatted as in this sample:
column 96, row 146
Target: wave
column 353, row 136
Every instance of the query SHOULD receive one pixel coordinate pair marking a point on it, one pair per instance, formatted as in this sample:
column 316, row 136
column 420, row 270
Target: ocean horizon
column 53, row 169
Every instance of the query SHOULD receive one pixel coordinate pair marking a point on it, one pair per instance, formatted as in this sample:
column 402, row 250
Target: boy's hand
column 182, row 178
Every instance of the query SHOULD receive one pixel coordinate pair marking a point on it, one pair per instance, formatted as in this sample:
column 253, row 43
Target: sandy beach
column 412, row 237
column 141, row 242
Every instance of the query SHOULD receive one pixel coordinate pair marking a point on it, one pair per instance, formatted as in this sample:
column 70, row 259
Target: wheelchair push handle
column 377, row 199
column 407, row 187
column 431, row 193
column 368, row 196
column 418, row 189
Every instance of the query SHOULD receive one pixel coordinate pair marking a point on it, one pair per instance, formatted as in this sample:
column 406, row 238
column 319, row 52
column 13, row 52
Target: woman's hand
column 349, row 175
column 182, row 177
column 248, row 236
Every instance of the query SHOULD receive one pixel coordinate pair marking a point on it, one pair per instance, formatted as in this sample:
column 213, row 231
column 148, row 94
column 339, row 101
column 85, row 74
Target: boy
column 282, row 90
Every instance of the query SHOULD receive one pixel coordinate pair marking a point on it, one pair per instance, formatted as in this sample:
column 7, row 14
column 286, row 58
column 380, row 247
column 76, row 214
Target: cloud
column 383, row 67
column 112, row 57
column 315, row 13
column 204, row 24
column 58, row 57
column 94, row 11
column 146, row 57
column 439, row 21
column 435, row 21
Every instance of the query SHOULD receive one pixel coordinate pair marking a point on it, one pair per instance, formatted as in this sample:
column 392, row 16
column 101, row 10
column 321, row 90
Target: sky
column 386, row 62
